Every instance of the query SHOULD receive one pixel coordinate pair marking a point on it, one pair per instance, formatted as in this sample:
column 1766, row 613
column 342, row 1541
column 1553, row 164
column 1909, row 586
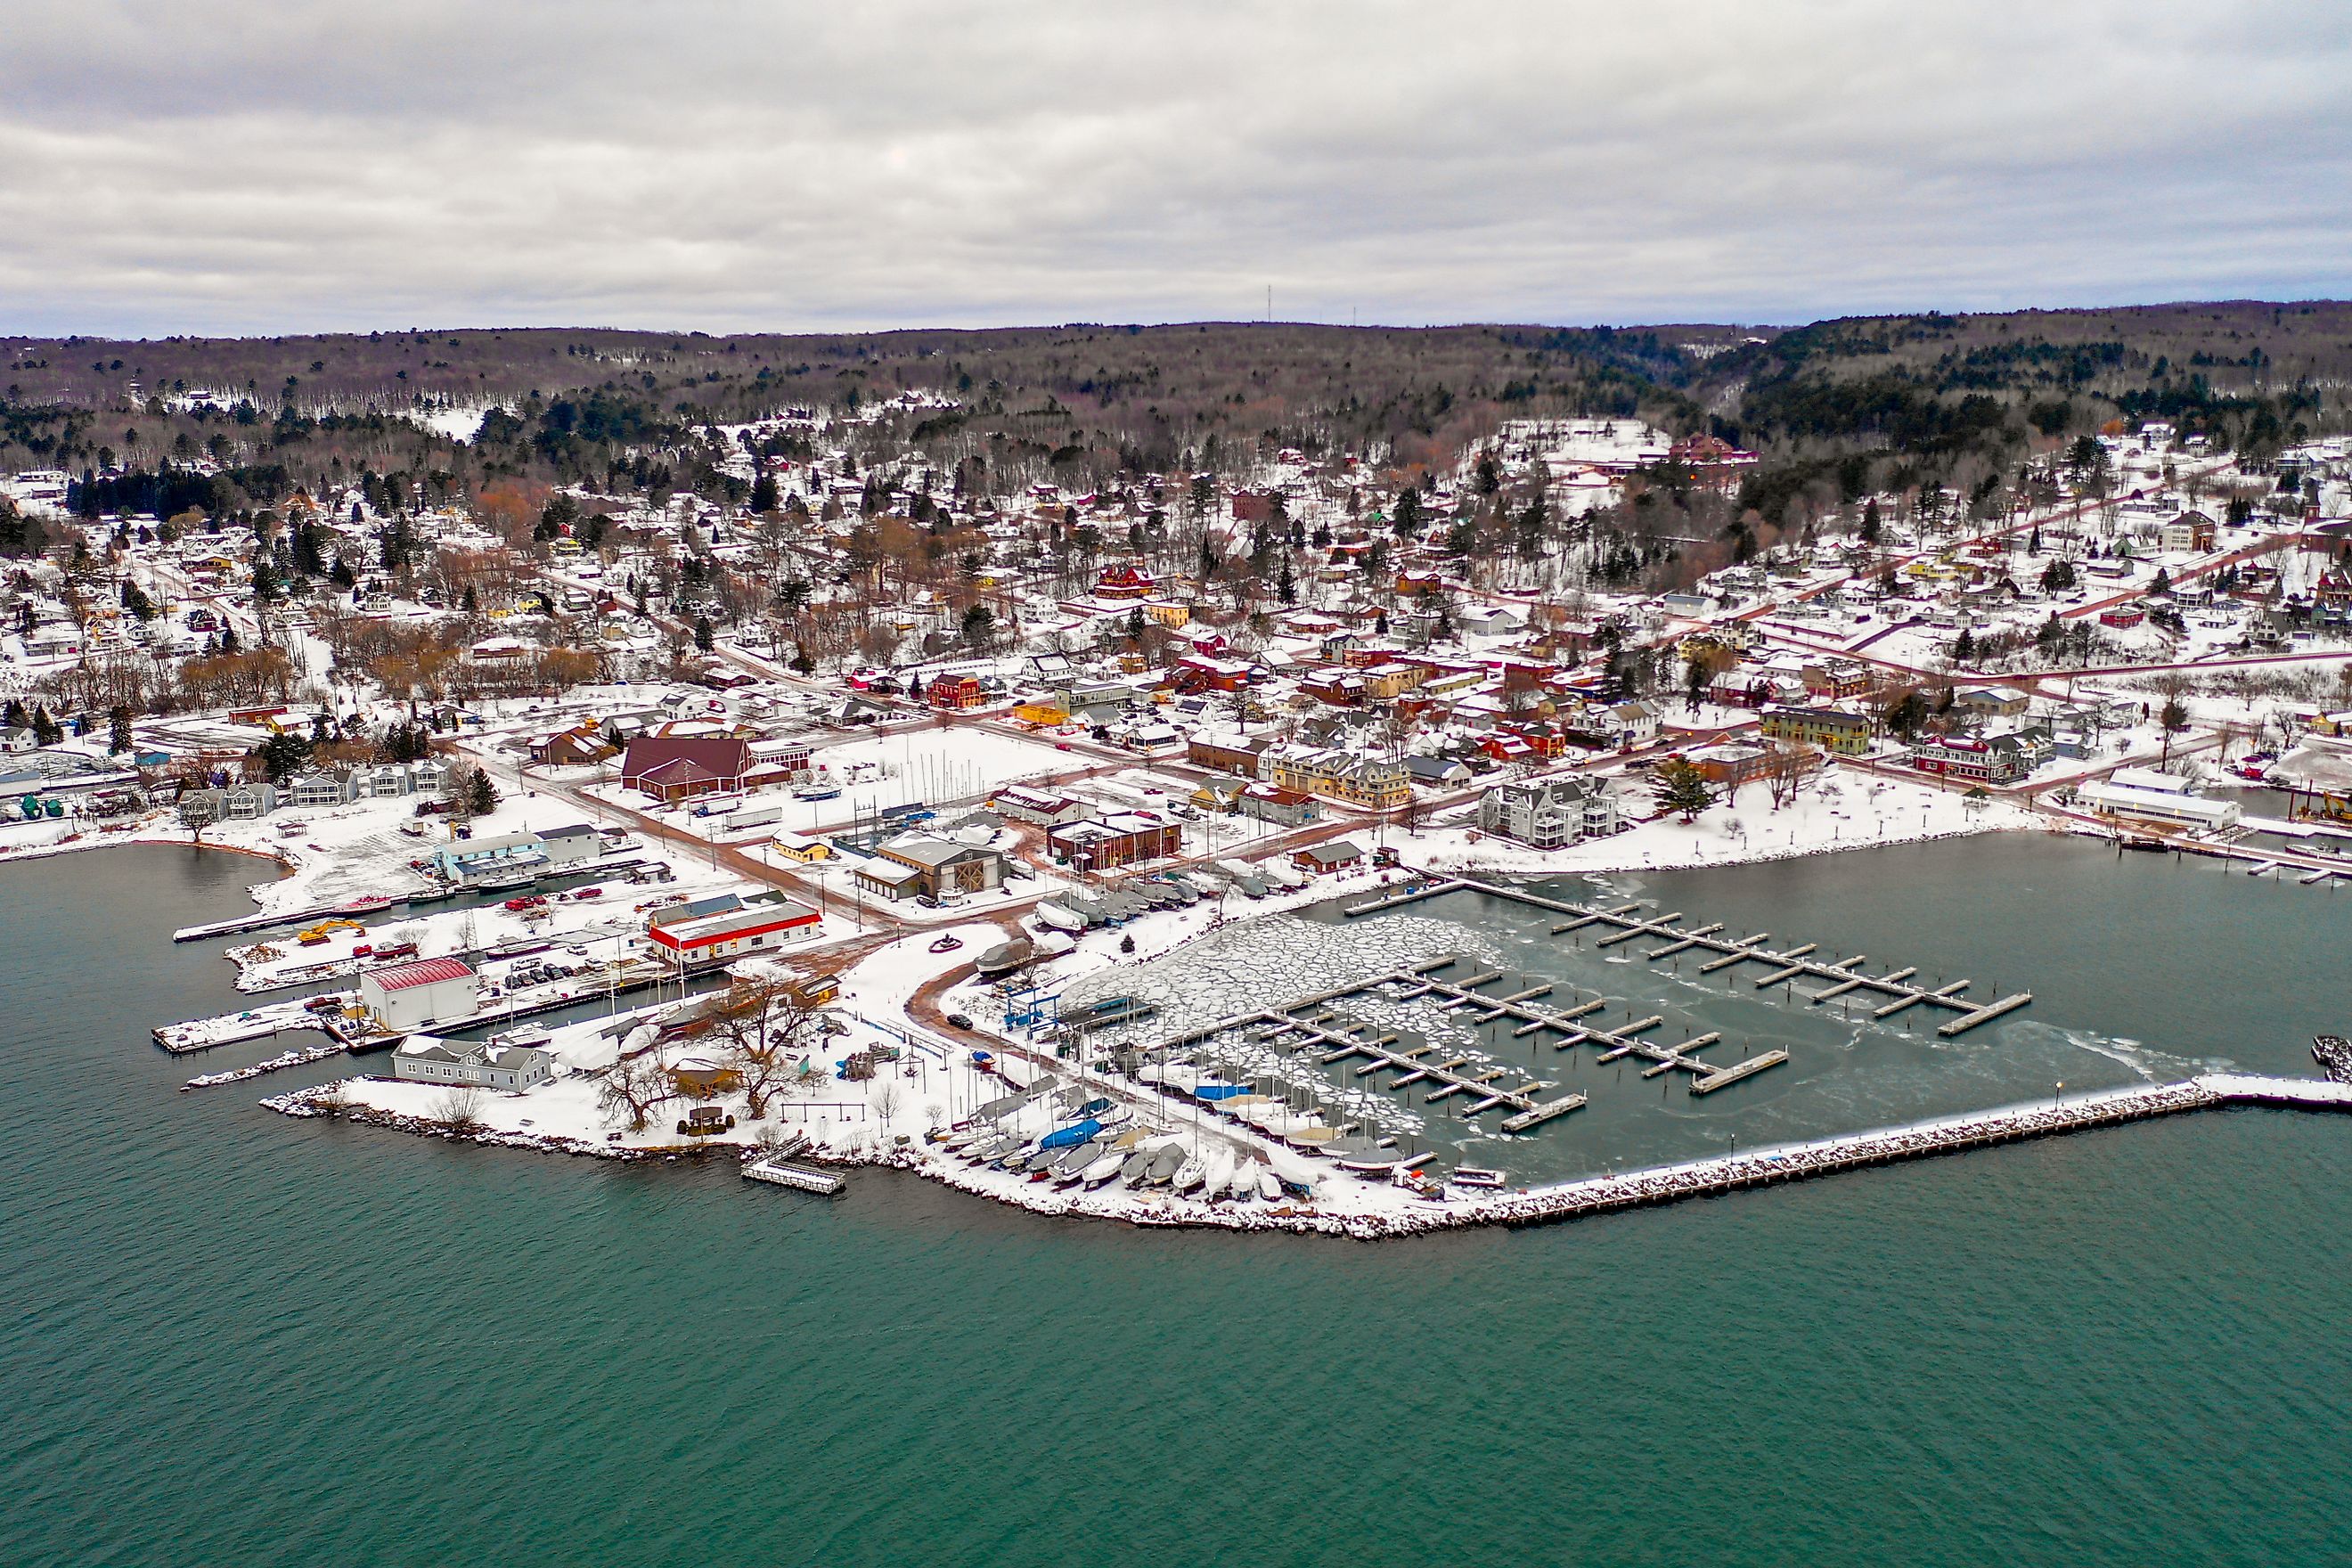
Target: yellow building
column 801, row 848
column 1042, row 711
column 1831, row 729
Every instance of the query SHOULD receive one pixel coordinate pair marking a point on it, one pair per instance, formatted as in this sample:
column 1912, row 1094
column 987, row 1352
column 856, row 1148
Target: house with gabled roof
column 679, row 767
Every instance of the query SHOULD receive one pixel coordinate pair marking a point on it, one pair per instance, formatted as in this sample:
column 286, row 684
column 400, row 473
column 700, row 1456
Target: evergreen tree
column 1406, row 521
column 1678, row 786
column 283, row 757
column 118, row 730
column 481, row 794
column 764, row 498
column 704, row 639
column 1965, row 648
column 46, row 732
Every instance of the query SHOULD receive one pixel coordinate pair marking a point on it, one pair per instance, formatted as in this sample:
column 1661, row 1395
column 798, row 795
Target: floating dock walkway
column 1785, row 966
column 1485, row 1087
column 800, row 1177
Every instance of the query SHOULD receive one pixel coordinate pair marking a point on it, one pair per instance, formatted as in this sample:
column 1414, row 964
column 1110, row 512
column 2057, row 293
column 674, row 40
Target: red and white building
column 710, row 940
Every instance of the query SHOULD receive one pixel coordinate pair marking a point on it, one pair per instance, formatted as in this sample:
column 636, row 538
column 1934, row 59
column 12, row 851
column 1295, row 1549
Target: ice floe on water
column 1273, row 961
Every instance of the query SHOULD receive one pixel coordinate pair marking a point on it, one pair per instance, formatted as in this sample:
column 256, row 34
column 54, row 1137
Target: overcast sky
column 278, row 166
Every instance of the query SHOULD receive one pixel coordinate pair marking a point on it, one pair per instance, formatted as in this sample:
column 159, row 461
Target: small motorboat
column 1269, row 1185
column 947, row 944
column 1476, row 1176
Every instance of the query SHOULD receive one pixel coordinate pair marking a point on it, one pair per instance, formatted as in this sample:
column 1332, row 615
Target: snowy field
column 1839, row 810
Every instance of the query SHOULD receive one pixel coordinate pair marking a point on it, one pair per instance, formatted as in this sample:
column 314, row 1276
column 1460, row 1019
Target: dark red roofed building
column 679, row 767
column 1125, row 583
column 1214, row 674
column 955, row 692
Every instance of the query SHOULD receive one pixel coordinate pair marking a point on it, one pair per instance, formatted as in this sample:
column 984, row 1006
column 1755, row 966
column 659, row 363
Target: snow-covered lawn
column 1838, row 810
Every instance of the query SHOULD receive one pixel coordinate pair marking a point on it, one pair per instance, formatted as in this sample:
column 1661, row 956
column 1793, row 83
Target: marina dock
column 1317, row 1023
column 1785, row 966
column 801, row 1178
column 1311, row 1023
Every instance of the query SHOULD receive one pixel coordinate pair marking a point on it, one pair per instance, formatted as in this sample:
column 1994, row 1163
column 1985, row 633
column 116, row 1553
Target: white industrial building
column 2110, row 799
column 408, row 996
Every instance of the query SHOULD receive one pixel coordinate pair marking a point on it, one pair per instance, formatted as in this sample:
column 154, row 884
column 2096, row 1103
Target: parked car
column 958, row 1021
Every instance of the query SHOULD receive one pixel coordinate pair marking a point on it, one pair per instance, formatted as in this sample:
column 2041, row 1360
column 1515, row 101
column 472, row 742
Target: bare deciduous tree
column 460, row 1110
column 1784, row 768
column 634, row 1087
column 762, row 1029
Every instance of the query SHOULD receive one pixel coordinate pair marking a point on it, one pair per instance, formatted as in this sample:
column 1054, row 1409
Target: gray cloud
column 272, row 166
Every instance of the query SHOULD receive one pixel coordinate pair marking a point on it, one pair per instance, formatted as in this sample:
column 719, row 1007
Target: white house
column 1624, row 723
column 1549, row 813
column 322, row 788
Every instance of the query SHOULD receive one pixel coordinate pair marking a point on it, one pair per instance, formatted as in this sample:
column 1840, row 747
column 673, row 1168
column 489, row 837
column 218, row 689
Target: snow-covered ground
column 1838, row 809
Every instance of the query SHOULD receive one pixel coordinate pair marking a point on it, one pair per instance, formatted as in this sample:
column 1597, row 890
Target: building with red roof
column 678, row 767
column 404, row 996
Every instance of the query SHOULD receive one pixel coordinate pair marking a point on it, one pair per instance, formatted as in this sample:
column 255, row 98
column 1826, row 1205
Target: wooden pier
column 801, row 1177
column 1785, row 966
column 1313, row 1023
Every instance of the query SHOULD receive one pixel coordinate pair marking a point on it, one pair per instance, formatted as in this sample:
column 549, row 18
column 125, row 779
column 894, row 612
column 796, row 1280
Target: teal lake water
column 227, row 1337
